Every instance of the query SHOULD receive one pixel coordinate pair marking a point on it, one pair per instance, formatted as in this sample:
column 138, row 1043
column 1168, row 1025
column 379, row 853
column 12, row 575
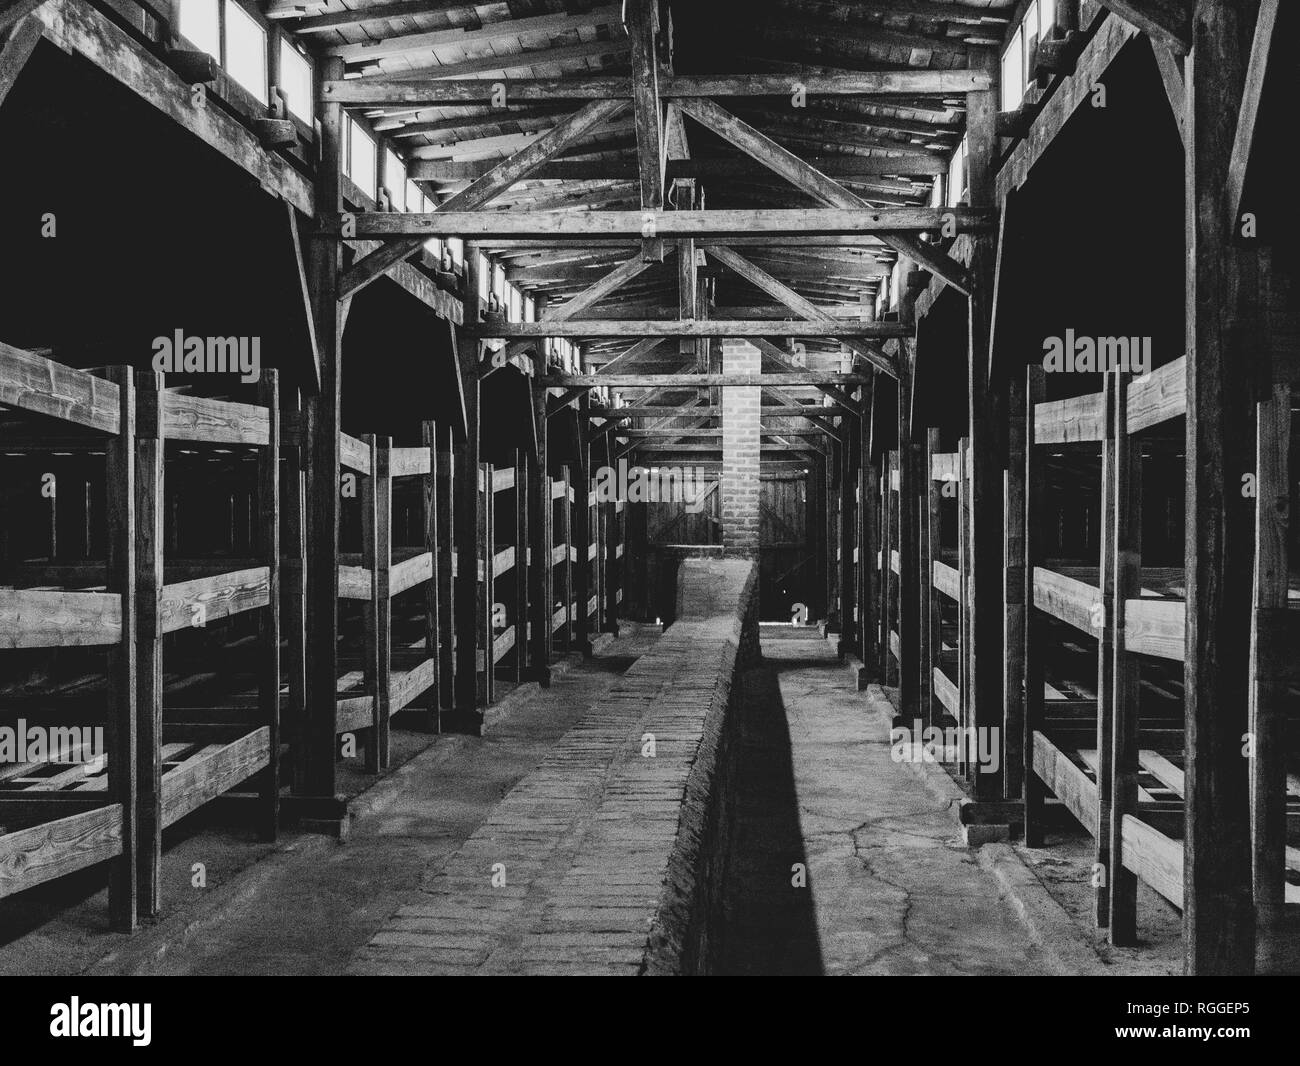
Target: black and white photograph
column 598, row 488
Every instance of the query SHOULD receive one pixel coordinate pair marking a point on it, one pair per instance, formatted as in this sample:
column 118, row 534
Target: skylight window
column 1013, row 77
column 361, row 159
column 395, row 179
column 245, row 50
column 295, row 80
column 200, row 24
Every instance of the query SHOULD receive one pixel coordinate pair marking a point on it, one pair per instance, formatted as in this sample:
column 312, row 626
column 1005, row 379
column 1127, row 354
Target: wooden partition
column 1117, row 767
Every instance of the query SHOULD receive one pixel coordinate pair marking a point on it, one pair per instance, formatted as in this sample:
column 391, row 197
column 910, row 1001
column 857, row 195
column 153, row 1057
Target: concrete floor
column 890, row 888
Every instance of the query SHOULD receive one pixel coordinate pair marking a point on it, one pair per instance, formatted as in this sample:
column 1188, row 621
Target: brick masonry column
column 740, row 451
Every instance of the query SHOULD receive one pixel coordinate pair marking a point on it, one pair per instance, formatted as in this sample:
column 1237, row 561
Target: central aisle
column 891, row 889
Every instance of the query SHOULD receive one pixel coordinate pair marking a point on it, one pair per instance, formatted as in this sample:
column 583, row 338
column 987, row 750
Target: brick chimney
column 740, row 451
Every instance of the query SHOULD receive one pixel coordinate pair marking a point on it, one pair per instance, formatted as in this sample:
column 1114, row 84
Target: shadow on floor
column 769, row 925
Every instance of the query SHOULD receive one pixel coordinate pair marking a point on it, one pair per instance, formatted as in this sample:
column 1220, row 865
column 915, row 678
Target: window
column 957, row 175
column 1030, row 30
column 395, row 179
column 516, row 308
column 530, row 309
column 414, row 198
column 499, row 284
column 245, row 50
column 361, row 158
column 1046, row 19
column 484, row 277
column 200, row 24
column 457, row 247
column 1013, row 77
column 295, row 80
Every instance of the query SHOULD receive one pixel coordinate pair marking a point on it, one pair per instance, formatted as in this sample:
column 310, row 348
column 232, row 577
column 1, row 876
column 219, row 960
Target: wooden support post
column 121, row 733
column 566, row 566
column 1124, row 544
column 469, row 516
column 848, row 541
column 382, row 560
column 932, row 614
column 613, row 566
column 908, row 542
column 1271, row 659
column 293, row 495
column 821, row 547
column 1014, row 597
column 1223, row 363
column 964, row 587
column 541, row 596
column 869, row 630
column 519, row 613
column 1106, row 638
column 1035, row 480
column 582, row 533
column 317, row 777
column 985, row 632
column 889, row 590
column 429, row 519
column 447, row 571
column 487, row 586
column 268, row 624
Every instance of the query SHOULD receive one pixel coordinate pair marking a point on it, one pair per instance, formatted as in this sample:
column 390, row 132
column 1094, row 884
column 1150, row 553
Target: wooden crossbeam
column 698, row 328
column 16, row 49
column 783, row 410
column 598, row 290
column 702, row 381
column 861, row 219
column 397, row 91
column 774, row 355
column 505, row 29
column 1256, row 74
column 494, row 182
column 822, row 188
column 14, row 11
column 1166, row 22
column 625, row 361
column 843, row 167
column 756, row 275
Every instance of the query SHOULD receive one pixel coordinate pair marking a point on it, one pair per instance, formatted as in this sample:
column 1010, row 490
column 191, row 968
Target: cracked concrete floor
column 891, row 889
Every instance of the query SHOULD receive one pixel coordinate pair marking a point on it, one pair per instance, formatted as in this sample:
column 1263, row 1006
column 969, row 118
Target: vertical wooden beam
column 432, row 588
column 520, row 596
column 121, row 737
column 1270, row 659
column 1035, row 482
column 322, row 435
column 381, row 478
column 293, row 496
column 367, row 499
column 487, row 586
column 1125, row 544
column 869, row 629
column 566, row 567
column 908, row 495
column 582, row 529
column 268, row 543
column 964, row 592
column 1106, row 637
column 541, row 595
column 1015, row 611
column 888, row 672
column 985, row 658
column 469, row 515
column 848, row 541
column 642, row 25
column 929, row 652
column 612, row 565
column 447, row 570
column 817, row 535
column 1223, row 364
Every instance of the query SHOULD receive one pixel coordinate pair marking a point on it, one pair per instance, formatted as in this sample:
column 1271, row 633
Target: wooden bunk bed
column 197, row 733
column 1114, row 758
column 51, row 822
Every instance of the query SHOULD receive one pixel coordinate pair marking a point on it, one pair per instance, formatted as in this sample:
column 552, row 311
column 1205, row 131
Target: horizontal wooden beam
column 702, row 381
column 397, row 91
column 670, row 225
column 844, row 167
column 691, row 328
column 794, row 410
